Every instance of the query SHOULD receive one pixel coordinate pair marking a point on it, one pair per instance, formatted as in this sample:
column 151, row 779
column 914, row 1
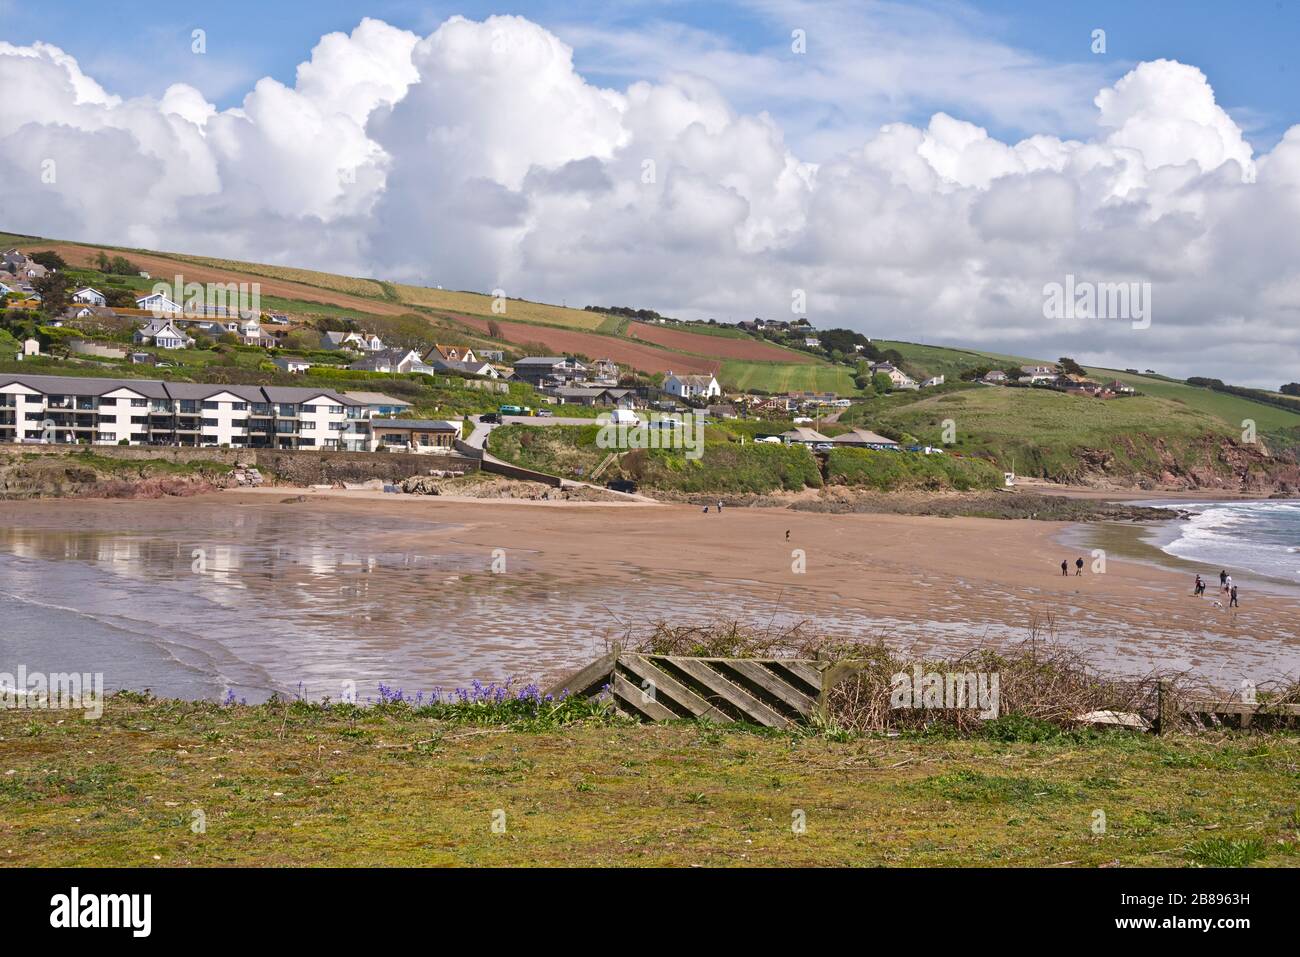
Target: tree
column 1070, row 367
column 49, row 259
column 120, row 298
column 121, row 266
column 56, row 293
column 882, row 382
column 1291, row 388
column 102, row 261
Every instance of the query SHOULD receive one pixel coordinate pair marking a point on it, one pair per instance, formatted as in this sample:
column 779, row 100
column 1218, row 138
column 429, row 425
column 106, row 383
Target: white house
column 91, row 297
column 931, row 382
column 31, row 347
column 159, row 305
column 292, row 365
column 691, row 386
column 161, row 333
column 1032, row 374
column 897, row 377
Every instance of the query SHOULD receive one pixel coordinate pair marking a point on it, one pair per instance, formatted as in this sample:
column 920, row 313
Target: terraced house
column 64, row 409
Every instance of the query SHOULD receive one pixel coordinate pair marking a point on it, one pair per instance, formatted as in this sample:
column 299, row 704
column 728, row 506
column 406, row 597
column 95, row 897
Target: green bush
column 886, row 471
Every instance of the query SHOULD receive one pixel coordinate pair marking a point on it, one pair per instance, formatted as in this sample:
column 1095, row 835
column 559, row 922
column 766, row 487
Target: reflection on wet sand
column 205, row 595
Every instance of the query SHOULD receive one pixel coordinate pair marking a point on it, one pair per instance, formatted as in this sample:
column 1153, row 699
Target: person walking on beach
column 706, row 510
column 1233, row 602
column 1199, row 590
column 1223, row 580
column 719, row 506
column 1227, row 584
column 1078, row 567
column 1065, row 567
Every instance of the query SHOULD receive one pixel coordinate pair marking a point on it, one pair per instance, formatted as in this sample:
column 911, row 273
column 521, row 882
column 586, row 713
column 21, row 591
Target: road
column 478, row 440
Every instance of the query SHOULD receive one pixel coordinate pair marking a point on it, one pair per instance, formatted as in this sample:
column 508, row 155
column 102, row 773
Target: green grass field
column 1232, row 409
column 289, row 784
column 783, row 377
column 949, row 362
column 1042, row 432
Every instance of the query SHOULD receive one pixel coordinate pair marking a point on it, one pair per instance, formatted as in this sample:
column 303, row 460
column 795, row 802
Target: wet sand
column 364, row 586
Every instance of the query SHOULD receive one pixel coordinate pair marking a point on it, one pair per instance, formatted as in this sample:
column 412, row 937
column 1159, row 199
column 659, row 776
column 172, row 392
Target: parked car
column 545, row 414
column 823, row 447
column 769, row 439
column 490, row 417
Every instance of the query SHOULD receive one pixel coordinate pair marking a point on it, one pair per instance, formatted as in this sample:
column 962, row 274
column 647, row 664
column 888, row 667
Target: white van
column 622, row 417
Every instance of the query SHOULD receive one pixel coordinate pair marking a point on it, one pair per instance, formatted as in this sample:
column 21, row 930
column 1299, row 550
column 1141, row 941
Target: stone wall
column 303, row 467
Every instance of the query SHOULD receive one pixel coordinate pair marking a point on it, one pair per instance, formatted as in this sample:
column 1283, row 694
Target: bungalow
column 466, row 367
column 91, row 297
column 691, row 386
column 492, row 355
column 161, row 333
column 449, row 354
column 356, row 341
column 159, row 305
column 89, row 312
column 379, row 403
column 864, row 439
column 392, row 360
column 291, row 365
column 415, row 435
column 1121, row 388
column 897, row 377
column 1034, row 374
column 994, row 377
column 931, row 382
column 538, row 370
column 802, row 435
column 597, row 395
column 811, row 342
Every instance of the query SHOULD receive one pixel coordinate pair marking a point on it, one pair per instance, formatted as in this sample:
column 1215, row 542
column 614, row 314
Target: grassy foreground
column 296, row 784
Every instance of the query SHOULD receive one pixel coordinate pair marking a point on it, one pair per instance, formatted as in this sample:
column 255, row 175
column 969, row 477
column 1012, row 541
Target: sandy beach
column 435, row 589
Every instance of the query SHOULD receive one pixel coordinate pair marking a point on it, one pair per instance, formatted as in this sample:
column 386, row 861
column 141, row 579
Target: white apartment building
column 66, row 409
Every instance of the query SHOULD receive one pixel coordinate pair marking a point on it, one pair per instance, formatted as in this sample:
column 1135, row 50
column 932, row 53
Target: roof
column 376, row 398
column 541, row 361
column 863, row 436
column 694, row 379
column 432, row 425
column 803, row 434
column 77, row 385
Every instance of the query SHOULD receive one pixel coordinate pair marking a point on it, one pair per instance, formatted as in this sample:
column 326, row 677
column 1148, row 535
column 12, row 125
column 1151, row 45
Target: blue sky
column 1243, row 48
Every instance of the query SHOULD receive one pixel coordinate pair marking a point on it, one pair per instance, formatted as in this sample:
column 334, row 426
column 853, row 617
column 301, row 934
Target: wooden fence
column 774, row 693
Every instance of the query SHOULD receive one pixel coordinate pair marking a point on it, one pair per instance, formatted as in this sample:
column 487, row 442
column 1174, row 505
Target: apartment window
column 308, row 426
column 108, row 436
column 139, row 420
column 209, row 423
column 108, row 401
column 211, row 405
column 139, row 403
column 306, row 441
column 309, row 410
column 37, row 399
column 239, row 406
column 288, row 410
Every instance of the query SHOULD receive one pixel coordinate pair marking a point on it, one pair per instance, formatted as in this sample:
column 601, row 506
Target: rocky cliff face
column 1212, row 463
column 48, row 476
